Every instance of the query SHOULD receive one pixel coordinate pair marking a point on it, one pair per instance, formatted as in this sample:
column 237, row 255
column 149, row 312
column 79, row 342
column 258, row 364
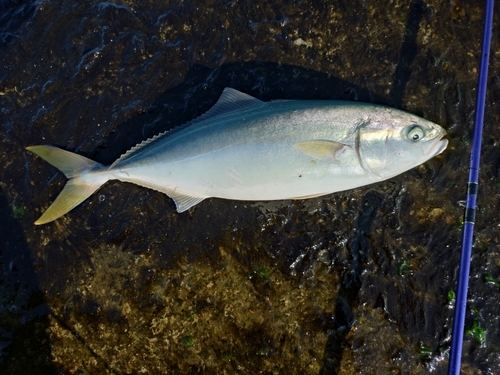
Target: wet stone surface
column 359, row 282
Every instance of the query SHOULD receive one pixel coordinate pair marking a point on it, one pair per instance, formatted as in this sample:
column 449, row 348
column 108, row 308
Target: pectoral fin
column 319, row 149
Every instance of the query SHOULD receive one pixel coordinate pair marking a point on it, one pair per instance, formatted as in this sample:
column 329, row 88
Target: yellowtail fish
column 247, row 149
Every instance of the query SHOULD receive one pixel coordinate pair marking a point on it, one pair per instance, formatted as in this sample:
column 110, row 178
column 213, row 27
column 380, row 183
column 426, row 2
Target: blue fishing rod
column 470, row 208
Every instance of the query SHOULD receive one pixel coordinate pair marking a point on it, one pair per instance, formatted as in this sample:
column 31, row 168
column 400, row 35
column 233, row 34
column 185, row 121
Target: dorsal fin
column 231, row 100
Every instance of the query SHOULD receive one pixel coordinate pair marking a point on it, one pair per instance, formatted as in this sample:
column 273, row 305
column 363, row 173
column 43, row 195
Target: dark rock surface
column 356, row 282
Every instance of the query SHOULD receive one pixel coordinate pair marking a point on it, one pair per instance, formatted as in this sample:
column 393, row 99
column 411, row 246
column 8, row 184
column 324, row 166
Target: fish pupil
column 415, row 133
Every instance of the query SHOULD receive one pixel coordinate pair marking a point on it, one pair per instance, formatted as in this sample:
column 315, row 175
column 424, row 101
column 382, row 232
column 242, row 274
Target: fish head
column 393, row 144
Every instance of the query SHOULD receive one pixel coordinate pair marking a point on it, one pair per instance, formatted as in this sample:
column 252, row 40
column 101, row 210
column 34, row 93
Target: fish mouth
column 438, row 146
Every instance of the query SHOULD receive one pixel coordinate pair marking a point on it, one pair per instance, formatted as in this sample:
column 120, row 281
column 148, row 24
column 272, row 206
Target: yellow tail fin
column 74, row 167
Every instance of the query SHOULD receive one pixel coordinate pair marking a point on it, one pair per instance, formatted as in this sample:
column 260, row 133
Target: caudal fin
column 77, row 189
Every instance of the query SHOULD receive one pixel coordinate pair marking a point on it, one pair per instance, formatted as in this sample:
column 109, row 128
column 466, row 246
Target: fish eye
column 415, row 133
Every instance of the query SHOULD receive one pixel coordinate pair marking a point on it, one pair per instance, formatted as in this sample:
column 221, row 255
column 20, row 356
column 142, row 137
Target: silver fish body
column 246, row 149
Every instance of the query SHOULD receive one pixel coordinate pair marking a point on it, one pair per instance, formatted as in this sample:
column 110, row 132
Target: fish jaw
column 435, row 144
column 437, row 147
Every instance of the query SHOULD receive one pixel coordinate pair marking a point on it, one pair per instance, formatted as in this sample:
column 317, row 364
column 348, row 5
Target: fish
column 249, row 150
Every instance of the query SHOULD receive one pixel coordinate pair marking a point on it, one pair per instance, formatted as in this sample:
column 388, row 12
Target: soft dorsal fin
column 320, row 149
column 231, row 100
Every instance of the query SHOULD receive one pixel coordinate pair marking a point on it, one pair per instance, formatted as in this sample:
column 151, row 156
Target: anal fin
column 183, row 202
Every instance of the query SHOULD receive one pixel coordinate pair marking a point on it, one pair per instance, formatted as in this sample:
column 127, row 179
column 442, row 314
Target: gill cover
column 371, row 145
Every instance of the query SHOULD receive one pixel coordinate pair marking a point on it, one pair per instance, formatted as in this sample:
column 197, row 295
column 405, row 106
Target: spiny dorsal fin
column 231, row 100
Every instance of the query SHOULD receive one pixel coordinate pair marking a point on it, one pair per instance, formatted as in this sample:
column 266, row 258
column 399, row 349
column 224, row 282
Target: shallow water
column 356, row 282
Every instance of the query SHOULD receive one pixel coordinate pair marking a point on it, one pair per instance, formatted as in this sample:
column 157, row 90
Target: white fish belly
column 254, row 172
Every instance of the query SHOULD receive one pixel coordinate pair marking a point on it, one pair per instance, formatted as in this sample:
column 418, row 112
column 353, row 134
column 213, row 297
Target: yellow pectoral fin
column 320, row 149
column 315, row 195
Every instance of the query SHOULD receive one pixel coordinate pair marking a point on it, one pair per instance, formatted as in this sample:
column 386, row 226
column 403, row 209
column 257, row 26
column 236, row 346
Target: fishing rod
column 470, row 208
